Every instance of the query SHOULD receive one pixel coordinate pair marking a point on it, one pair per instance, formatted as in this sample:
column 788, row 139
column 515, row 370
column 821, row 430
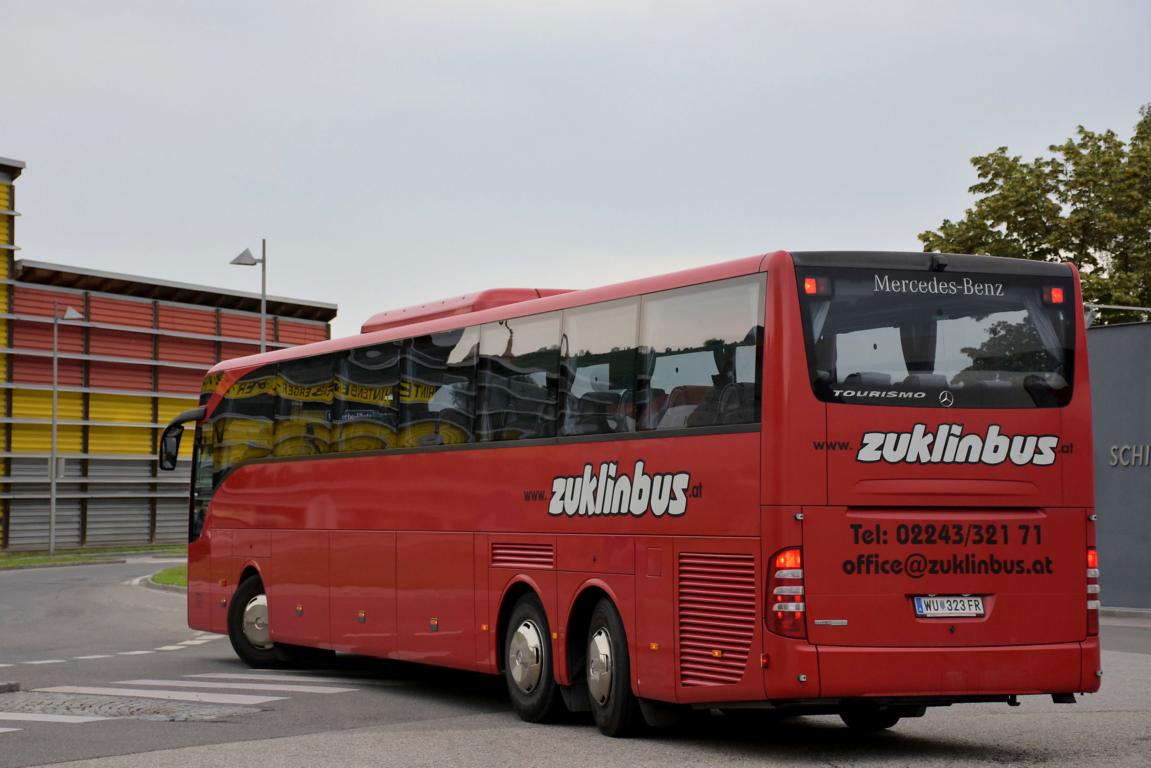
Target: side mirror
column 170, row 446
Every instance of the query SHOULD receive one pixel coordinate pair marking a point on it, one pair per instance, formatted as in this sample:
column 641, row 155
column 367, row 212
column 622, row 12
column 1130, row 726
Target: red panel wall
column 31, row 335
column 187, row 350
column 116, row 376
column 104, row 310
column 241, row 326
column 180, row 380
column 119, row 343
column 38, row 370
column 187, row 320
column 301, row 333
column 34, row 301
column 228, row 351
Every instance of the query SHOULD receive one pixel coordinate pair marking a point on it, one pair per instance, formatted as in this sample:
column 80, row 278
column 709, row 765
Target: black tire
column 528, row 668
column 869, row 720
column 614, row 706
column 254, row 655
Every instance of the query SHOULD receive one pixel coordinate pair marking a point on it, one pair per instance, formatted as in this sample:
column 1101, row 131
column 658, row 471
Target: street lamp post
column 246, row 259
column 69, row 314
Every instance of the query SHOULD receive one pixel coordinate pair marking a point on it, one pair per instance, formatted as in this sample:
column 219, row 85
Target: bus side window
column 365, row 404
column 599, row 368
column 518, row 378
column 438, row 389
column 303, row 407
column 242, row 426
column 702, row 351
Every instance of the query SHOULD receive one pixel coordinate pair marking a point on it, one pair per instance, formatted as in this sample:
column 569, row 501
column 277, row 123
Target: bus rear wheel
column 528, row 665
column 248, row 626
column 608, row 669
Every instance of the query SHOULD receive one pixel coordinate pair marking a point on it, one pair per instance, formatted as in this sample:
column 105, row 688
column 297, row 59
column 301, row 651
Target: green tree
column 1089, row 202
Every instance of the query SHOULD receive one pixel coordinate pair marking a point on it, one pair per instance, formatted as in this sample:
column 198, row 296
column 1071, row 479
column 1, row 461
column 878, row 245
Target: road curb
column 9, row 687
column 61, row 565
column 148, row 582
column 1125, row 613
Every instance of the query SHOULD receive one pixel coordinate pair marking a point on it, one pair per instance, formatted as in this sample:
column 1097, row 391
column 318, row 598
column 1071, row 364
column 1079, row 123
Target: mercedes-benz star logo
column 946, row 399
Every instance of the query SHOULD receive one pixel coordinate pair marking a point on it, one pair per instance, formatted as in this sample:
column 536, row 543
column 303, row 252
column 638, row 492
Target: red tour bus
column 816, row 483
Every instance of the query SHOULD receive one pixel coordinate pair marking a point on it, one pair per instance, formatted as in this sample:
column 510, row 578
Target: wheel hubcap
column 256, row 623
column 525, row 656
column 599, row 667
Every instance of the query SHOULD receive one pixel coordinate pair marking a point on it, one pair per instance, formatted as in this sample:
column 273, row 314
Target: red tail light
column 1092, row 591
column 786, row 610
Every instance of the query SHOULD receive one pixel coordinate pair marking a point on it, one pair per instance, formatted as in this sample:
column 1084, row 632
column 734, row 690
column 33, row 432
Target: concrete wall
column 1121, row 396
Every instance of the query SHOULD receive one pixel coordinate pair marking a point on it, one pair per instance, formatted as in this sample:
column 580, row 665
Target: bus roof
column 456, row 305
column 455, row 313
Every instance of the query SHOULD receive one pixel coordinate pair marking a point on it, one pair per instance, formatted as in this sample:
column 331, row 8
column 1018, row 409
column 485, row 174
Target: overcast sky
column 395, row 152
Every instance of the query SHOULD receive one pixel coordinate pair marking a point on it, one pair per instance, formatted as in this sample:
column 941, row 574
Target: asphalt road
column 363, row 712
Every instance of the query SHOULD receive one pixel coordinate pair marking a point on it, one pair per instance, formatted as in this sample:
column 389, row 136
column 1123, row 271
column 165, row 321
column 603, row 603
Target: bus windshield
column 938, row 339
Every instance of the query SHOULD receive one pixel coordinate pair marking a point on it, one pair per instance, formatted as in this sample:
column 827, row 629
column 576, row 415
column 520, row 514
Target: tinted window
column 303, row 426
column 438, row 388
column 927, row 339
column 241, row 427
column 599, row 368
column 519, row 378
column 701, row 347
column 365, row 406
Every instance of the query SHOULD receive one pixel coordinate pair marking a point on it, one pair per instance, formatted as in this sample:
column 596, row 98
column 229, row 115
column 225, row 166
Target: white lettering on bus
column 948, row 445
column 878, row 393
column 607, row 493
column 936, row 285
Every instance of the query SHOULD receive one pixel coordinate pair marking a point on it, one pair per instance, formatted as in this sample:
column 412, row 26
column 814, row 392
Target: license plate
column 948, row 606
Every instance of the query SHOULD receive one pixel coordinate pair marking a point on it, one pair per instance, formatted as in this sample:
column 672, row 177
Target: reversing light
column 1053, row 294
column 786, row 609
column 1092, row 591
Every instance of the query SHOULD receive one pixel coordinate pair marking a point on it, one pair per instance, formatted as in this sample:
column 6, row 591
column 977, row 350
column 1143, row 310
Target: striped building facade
column 134, row 359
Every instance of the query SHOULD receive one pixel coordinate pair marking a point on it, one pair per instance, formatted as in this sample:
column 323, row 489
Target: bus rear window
column 931, row 339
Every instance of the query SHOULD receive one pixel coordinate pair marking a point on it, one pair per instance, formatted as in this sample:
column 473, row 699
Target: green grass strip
column 177, row 576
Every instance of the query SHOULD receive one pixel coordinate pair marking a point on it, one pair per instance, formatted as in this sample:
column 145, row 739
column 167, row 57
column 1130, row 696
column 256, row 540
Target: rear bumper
column 962, row 671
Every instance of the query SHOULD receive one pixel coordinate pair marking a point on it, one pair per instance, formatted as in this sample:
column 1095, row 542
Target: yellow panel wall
column 171, row 407
column 37, row 438
column 125, row 408
column 119, row 408
column 37, row 404
column 119, row 440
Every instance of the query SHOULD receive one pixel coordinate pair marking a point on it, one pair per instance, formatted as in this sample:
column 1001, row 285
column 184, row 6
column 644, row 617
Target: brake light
column 817, row 286
column 1092, row 591
column 1053, row 295
column 786, row 610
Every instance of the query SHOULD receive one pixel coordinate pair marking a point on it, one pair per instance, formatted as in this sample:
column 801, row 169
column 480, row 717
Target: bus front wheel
column 608, row 669
column 528, row 663
column 248, row 626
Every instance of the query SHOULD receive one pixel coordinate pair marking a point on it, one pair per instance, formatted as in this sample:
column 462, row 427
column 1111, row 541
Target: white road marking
column 36, row 717
column 290, row 678
column 93, row 656
column 45, row 661
column 133, row 653
column 145, row 693
column 241, row 686
column 10, row 730
column 200, row 641
column 172, row 648
column 7, row 665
